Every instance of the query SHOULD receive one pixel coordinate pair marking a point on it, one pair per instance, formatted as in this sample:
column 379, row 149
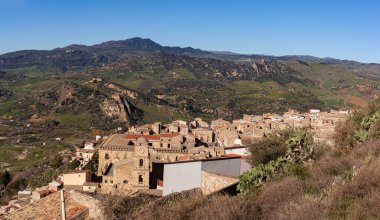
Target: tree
column 73, row 165
column 56, row 161
column 93, row 164
column 6, row 178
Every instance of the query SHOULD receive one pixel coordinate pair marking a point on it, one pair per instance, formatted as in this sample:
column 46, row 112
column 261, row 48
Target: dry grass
column 276, row 195
column 359, row 199
column 193, row 205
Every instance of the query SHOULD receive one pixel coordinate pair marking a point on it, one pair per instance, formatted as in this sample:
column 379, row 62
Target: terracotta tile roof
column 137, row 136
column 48, row 208
column 170, row 134
column 151, row 137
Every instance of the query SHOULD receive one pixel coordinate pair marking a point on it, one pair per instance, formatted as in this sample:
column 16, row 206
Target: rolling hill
column 78, row 91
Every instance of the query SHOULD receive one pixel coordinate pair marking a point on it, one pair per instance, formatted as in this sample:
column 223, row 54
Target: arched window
column 141, row 163
column 141, row 180
column 106, row 157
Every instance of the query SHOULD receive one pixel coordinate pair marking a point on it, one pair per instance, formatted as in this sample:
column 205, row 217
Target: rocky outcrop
column 121, row 90
column 119, row 108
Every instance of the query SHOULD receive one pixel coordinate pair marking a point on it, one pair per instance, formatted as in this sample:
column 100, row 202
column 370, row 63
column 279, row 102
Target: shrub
column 56, row 161
column 294, row 144
column 269, row 148
column 73, row 165
column 14, row 186
column 266, row 150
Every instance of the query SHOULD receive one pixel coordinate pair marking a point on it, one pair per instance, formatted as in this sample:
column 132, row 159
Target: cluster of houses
column 181, row 155
column 82, row 178
column 166, row 158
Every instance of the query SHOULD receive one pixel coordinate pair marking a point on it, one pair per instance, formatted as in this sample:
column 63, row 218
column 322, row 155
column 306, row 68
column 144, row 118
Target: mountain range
column 186, row 82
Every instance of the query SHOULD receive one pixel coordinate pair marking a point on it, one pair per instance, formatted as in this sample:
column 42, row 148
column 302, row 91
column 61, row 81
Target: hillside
column 77, row 91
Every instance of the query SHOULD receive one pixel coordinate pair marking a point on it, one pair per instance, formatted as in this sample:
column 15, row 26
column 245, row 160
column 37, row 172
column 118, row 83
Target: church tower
column 141, row 165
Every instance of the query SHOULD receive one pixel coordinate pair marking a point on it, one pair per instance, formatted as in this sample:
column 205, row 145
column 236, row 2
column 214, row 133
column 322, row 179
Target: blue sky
column 346, row 29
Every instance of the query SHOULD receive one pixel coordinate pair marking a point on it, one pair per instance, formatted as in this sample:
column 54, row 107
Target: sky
column 344, row 29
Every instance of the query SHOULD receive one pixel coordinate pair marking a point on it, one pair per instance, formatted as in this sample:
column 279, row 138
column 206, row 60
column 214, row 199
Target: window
column 161, row 145
column 168, row 145
column 150, row 144
column 105, row 181
column 106, row 157
column 141, row 163
column 141, row 180
column 111, row 181
column 125, row 181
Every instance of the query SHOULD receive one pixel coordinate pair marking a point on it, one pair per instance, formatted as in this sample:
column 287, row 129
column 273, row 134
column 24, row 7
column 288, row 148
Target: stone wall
column 211, row 183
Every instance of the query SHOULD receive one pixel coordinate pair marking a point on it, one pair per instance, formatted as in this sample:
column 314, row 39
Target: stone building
column 75, row 180
column 125, row 160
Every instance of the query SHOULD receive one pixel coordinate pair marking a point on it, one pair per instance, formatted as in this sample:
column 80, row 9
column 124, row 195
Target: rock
column 119, row 108
column 35, row 116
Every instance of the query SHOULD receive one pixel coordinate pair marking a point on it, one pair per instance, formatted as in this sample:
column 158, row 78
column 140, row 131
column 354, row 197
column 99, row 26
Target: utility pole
column 63, row 206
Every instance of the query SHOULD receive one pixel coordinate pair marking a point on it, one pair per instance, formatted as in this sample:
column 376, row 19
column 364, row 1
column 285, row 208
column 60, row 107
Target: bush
column 17, row 185
column 56, row 161
column 269, row 148
column 73, row 165
column 294, row 144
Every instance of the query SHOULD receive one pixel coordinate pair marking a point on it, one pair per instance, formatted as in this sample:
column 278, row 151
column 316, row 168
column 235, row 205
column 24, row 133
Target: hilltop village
column 161, row 159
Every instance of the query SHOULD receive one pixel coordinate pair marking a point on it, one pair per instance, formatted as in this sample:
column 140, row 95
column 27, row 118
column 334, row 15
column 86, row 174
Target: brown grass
column 193, row 205
column 358, row 101
column 276, row 195
column 359, row 199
